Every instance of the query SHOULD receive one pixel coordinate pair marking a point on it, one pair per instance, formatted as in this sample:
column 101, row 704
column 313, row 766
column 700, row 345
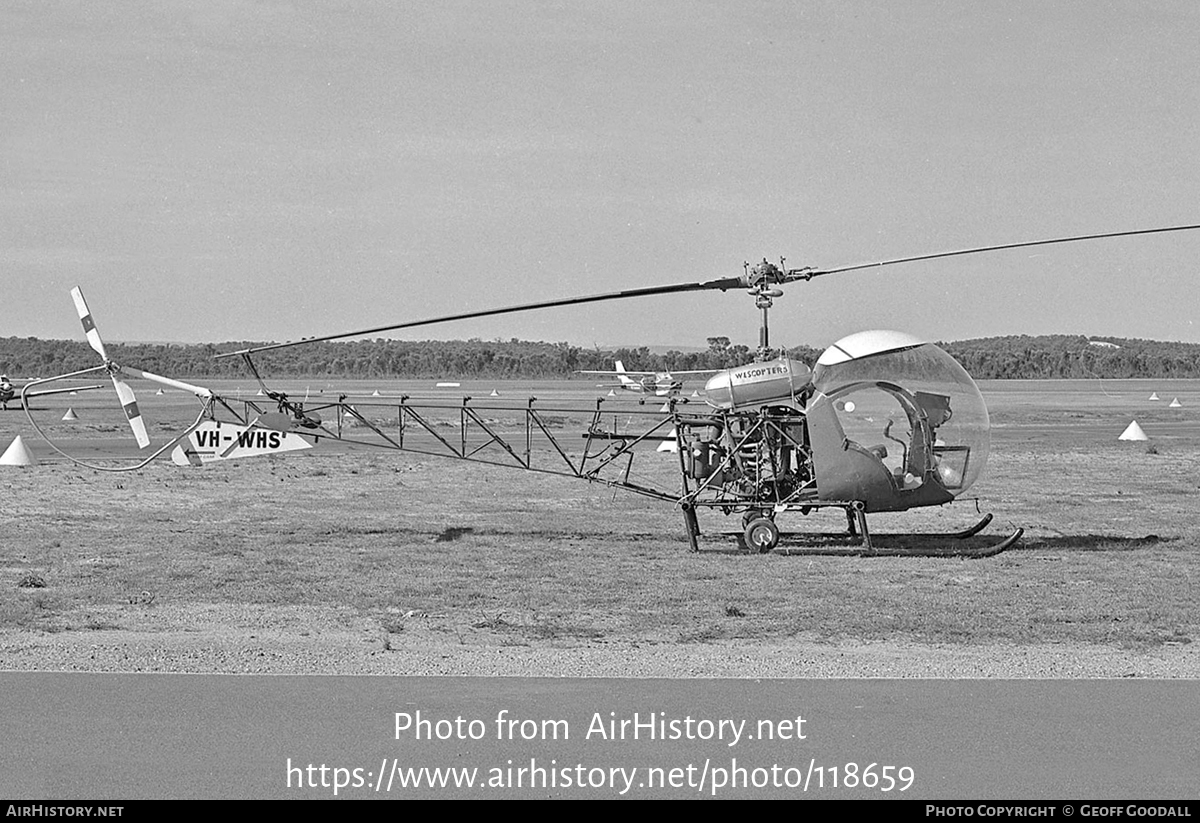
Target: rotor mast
column 760, row 278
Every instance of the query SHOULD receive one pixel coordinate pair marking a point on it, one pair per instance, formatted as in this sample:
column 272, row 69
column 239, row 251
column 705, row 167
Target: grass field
column 422, row 549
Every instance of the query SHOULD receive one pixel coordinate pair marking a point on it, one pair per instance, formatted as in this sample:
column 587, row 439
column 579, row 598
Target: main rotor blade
column 818, row 272
column 722, row 284
column 89, row 328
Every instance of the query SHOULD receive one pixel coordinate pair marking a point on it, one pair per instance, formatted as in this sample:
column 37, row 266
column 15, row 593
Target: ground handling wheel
column 761, row 535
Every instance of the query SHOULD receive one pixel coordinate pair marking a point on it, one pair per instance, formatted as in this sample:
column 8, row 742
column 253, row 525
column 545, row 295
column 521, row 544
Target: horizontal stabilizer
column 212, row 441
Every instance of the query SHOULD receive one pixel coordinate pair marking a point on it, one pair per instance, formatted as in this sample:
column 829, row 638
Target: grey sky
column 241, row 170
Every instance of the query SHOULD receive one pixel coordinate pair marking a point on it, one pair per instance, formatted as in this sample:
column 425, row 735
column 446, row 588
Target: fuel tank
column 757, row 384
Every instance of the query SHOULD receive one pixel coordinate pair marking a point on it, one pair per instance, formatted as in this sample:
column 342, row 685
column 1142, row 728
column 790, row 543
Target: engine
column 752, row 454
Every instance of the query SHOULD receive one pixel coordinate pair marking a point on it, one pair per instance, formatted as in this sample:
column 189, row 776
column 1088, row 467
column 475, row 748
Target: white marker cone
column 17, row 454
column 1133, row 432
column 70, row 415
column 1175, row 404
column 1153, row 395
column 495, row 393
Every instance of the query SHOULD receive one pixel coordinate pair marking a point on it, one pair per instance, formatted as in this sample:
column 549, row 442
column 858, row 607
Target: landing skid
column 858, row 542
column 974, row 530
column 898, row 545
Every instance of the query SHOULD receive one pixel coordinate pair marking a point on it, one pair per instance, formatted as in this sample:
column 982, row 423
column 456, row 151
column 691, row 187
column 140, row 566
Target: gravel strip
column 304, row 640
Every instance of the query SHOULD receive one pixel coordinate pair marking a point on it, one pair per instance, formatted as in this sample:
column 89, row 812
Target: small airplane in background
column 9, row 392
column 651, row 383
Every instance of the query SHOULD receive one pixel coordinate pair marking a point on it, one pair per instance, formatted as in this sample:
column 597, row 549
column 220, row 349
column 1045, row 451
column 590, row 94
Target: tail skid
column 205, row 411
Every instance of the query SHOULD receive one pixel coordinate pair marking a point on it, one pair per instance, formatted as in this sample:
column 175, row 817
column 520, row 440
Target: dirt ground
column 339, row 563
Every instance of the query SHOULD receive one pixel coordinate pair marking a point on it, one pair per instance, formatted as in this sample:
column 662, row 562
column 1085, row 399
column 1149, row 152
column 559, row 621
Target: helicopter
column 882, row 421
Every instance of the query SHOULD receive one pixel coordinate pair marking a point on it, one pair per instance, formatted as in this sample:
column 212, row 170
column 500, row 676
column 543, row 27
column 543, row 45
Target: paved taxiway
column 127, row 736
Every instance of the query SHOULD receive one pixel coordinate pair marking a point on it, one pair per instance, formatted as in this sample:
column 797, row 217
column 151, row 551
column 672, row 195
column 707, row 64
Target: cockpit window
column 916, row 409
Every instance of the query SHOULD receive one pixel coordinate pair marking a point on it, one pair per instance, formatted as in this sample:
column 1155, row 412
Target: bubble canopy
column 895, row 389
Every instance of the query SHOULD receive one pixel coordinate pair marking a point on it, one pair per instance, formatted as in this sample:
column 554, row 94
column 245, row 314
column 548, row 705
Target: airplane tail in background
column 625, row 381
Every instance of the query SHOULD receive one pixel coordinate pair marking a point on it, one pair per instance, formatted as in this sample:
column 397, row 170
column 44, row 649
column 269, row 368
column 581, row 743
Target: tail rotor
column 124, row 392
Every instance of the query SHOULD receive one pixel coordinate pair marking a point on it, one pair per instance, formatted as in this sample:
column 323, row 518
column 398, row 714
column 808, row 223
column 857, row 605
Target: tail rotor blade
column 124, row 393
column 129, row 404
column 89, row 327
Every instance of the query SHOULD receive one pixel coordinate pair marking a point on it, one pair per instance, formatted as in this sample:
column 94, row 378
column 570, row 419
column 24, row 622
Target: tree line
column 1014, row 357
